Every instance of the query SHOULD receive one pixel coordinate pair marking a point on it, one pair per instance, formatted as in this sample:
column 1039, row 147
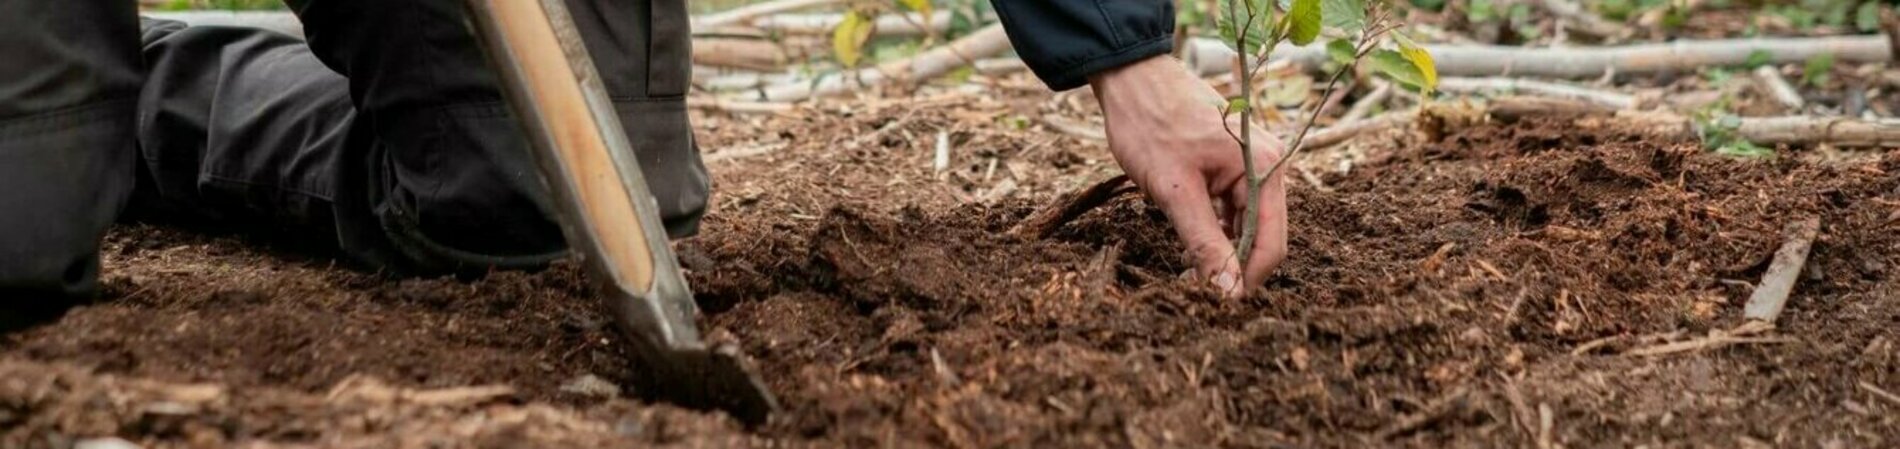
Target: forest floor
column 1487, row 286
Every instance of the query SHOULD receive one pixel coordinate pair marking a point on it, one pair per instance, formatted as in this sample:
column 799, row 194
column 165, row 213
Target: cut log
column 1776, row 284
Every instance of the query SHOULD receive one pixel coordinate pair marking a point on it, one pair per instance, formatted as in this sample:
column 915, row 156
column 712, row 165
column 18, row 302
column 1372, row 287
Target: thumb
column 1189, row 208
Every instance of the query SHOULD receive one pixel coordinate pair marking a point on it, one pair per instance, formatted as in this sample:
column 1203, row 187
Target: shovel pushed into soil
column 606, row 211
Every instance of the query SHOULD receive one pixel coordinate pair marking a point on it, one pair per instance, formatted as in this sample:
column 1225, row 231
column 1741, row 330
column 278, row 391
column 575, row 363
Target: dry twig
column 1778, row 282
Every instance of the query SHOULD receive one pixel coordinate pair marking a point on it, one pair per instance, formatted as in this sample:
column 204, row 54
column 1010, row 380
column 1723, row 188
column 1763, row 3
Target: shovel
column 607, row 213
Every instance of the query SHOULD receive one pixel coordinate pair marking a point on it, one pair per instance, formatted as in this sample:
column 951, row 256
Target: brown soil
column 1478, row 290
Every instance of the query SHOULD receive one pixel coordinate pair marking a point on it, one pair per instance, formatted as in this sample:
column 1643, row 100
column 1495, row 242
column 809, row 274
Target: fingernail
column 1226, row 281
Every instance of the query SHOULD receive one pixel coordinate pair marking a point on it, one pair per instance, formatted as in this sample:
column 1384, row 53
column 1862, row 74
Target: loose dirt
column 1482, row 288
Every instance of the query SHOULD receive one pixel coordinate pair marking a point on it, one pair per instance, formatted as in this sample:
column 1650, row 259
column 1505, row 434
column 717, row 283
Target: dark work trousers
column 386, row 133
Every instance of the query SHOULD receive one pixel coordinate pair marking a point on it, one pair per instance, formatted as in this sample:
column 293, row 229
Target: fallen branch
column 1511, row 86
column 1790, row 130
column 749, row 54
column 1045, row 221
column 1778, row 282
column 1778, row 88
column 1210, row 56
column 888, row 25
column 989, row 40
column 1363, row 107
column 743, row 14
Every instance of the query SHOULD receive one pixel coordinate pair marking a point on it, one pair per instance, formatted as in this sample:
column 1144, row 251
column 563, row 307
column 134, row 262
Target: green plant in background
column 1253, row 28
column 854, row 33
column 1863, row 15
column 1817, row 70
column 1716, row 126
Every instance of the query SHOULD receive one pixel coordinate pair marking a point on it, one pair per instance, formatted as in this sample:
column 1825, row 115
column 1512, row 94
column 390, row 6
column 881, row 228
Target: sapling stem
column 1256, row 180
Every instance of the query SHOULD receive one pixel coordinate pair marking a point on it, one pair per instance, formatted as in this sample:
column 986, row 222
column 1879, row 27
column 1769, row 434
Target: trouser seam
column 60, row 119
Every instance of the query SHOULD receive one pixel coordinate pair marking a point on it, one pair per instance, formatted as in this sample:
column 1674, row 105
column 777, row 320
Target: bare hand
column 1165, row 128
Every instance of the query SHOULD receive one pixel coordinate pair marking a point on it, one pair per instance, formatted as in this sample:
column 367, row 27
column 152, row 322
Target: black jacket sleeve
column 1065, row 41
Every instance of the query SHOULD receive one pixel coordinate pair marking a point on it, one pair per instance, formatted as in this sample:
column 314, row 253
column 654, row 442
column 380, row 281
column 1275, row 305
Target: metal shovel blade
column 607, row 213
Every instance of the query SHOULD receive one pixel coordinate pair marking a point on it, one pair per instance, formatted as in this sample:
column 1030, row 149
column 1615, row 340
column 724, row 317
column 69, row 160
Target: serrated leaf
column 1303, row 22
column 1349, row 15
column 848, row 39
column 1420, row 59
column 1342, row 51
column 1394, row 65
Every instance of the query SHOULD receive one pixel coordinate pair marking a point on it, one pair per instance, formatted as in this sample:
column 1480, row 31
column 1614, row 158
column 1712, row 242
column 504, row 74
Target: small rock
column 591, row 385
column 104, row 443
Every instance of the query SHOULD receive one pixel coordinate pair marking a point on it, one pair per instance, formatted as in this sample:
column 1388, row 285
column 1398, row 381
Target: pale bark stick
column 988, row 41
column 1363, row 108
column 1778, row 88
column 888, row 25
column 743, row 14
column 1509, row 86
column 1213, row 57
column 749, row 54
column 1778, row 283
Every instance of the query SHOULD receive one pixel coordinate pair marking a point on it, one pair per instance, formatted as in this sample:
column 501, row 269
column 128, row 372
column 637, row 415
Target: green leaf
column 1867, row 18
column 1342, row 51
column 1758, row 58
column 921, row 6
column 1743, row 148
column 848, row 39
column 1303, row 21
column 1817, row 70
column 1393, row 65
column 1420, row 59
column 1480, row 11
column 1349, row 15
column 1232, row 17
column 1236, row 105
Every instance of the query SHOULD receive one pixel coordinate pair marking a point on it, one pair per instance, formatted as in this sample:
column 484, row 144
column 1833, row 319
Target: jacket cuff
column 1077, row 75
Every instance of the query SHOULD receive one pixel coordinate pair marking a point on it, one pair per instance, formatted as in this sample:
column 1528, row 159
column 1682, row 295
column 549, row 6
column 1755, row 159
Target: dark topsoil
column 1481, row 289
